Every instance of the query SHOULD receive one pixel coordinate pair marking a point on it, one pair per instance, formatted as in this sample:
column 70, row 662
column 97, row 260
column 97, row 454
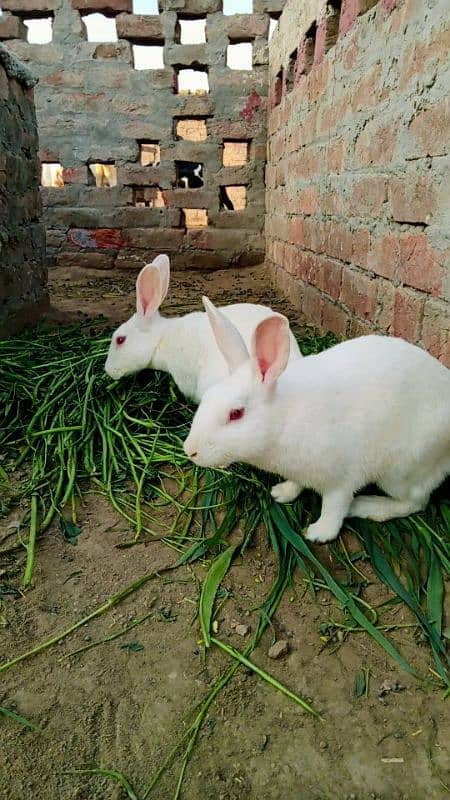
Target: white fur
column 370, row 410
column 183, row 346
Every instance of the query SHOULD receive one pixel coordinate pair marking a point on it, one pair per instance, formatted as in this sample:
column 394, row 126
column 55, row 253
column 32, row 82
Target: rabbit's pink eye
column 236, row 413
column 120, row 339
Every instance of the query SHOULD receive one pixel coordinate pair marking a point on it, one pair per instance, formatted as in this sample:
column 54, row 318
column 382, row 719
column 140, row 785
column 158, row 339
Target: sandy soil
column 124, row 709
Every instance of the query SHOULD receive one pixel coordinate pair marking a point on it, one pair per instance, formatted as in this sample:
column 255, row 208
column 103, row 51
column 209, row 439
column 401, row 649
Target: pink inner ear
column 263, row 367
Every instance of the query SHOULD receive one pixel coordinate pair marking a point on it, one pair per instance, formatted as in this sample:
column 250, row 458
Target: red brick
column 408, row 311
column 351, row 54
column 334, row 319
column 359, row 293
column 385, row 302
column 296, row 230
column 154, row 238
column 420, row 265
column 376, row 144
column 308, row 201
column 349, row 13
column 105, row 6
column 321, row 35
column 384, row 256
column 77, row 175
column 436, row 330
column 430, row 129
column 12, row 28
column 413, row 198
column 361, row 246
column 312, row 305
column 331, row 278
column 310, row 269
column 338, row 241
column 368, row 196
column 335, row 155
column 389, row 5
column 290, row 259
column 26, row 7
column 89, row 260
column 366, row 92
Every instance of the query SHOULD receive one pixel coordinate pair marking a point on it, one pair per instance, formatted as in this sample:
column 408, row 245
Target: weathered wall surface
column 94, row 106
column 358, row 175
column 23, row 275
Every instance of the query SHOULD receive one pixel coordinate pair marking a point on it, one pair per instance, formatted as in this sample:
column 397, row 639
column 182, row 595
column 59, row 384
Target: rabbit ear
column 270, row 348
column 148, row 290
column 228, row 338
column 163, row 264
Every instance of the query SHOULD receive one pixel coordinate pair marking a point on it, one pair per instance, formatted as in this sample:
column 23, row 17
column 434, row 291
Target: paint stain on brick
column 254, row 103
column 101, row 238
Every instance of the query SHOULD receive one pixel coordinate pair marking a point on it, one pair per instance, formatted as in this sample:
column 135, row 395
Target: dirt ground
column 124, row 708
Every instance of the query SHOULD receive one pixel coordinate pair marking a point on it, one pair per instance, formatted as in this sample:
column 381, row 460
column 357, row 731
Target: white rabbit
column 183, row 346
column 370, row 410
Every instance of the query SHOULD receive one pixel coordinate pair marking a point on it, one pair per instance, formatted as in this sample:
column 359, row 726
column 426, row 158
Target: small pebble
column 323, row 745
column 279, row 649
column 242, row 630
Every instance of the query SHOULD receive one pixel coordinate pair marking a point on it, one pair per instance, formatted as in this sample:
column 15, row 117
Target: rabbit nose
column 191, row 455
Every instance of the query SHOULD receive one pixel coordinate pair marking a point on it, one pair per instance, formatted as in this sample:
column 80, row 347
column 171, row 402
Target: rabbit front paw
column 285, row 492
column 321, row 531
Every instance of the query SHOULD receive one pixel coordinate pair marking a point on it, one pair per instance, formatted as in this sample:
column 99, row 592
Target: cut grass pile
column 65, row 430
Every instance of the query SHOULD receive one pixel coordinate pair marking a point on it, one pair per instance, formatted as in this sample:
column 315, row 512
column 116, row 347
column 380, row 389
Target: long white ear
column 148, row 291
column 228, row 338
column 163, row 264
column 270, row 348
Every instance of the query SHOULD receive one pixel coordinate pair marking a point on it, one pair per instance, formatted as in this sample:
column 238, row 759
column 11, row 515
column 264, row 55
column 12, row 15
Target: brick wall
column 93, row 106
column 23, row 275
column 358, row 190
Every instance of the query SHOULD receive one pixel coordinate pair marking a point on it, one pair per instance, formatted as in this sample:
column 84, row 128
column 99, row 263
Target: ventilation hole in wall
column 40, row 31
column 240, row 55
column 237, row 7
column 148, row 197
column 233, row 198
column 192, row 81
column 189, row 174
column 149, row 154
column 332, row 23
column 100, row 28
column 190, row 30
column 52, row 175
column 290, row 72
column 235, row 154
column 193, row 130
column 195, row 217
column 273, row 22
column 310, row 43
column 102, row 175
column 278, row 88
column 145, row 7
column 148, row 56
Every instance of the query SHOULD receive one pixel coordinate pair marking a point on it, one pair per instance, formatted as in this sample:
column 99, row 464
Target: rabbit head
column 133, row 343
column 235, row 420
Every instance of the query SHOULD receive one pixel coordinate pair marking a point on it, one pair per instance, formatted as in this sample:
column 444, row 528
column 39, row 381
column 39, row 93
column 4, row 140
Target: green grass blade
column 300, row 545
column 216, row 573
column 113, row 774
column 435, row 594
column 18, row 718
column 231, row 651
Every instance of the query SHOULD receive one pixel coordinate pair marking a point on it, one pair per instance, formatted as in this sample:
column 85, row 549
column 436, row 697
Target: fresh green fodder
column 65, row 430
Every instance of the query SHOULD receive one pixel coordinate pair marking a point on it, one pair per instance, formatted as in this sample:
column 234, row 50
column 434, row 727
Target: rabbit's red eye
column 236, row 413
column 120, row 339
